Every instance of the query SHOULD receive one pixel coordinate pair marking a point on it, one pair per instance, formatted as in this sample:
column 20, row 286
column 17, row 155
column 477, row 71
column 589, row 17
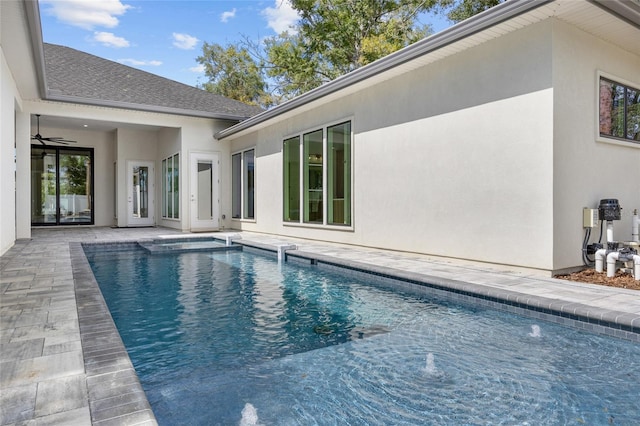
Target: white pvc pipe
column 636, row 267
column 609, row 232
column 612, row 258
column 600, row 256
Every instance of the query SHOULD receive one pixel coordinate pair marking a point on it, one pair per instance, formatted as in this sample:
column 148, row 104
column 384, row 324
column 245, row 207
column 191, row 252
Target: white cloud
column 198, row 69
column 109, row 39
column 137, row 63
column 184, row 41
column 225, row 16
column 86, row 14
column 282, row 17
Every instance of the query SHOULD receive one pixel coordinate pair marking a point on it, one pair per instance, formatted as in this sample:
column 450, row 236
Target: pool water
column 234, row 338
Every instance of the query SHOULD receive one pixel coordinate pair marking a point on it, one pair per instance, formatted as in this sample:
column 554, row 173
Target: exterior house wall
column 103, row 144
column 452, row 159
column 198, row 138
column 587, row 168
column 9, row 97
column 134, row 145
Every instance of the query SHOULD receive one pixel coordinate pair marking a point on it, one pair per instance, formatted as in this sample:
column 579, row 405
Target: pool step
column 164, row 246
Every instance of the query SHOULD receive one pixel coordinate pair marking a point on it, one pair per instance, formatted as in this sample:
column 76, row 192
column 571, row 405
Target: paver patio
column 62, row 362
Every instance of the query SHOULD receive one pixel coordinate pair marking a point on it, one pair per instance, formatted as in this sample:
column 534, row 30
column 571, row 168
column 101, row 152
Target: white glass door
column 203, row 192
column 140, row 198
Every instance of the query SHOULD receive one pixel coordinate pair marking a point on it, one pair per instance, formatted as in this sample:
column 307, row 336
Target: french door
column 140, row 190
column 204, row 192
column 61, row 186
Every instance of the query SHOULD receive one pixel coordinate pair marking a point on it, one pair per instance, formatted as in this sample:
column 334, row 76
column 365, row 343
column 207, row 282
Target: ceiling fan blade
column 52, row 139
column 59, row 140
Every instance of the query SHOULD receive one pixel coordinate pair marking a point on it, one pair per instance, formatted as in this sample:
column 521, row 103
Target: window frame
column 302, row 215
column 169, row 196
column 244, row 189
column 59, row 151
column 603, row 137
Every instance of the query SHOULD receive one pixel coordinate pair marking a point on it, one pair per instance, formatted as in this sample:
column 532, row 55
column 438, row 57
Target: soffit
column 593, row 20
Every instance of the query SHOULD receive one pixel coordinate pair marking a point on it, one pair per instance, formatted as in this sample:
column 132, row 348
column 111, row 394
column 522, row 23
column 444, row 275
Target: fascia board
column 32, row 12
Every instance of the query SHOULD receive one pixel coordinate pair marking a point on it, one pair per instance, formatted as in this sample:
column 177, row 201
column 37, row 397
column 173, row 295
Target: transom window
column 619, row 110
column 243, row 185
column 171, row 187
column 317, row 176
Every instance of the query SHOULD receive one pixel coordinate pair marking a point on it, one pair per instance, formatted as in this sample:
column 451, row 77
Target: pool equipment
column 612, row 252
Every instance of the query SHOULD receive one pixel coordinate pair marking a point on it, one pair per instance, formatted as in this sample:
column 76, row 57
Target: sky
column 165, row 37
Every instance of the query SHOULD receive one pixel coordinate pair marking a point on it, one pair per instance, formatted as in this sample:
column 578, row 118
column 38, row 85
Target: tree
column 459, row 10
column 332, row 38
column 234, row 73
column 335, row 37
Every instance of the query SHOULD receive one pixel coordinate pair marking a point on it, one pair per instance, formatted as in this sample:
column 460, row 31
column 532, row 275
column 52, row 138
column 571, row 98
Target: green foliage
column 234, row 73
column 74, row 170
column 332, row 38
column 459, row 10
column 335, row 37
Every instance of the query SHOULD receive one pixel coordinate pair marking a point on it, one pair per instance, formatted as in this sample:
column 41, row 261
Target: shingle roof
column 80, row 76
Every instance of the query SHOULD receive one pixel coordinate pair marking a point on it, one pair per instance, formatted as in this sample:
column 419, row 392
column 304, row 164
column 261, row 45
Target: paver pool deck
column 62, row 361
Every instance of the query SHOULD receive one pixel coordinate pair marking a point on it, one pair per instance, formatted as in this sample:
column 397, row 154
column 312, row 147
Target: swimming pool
column 221, row 337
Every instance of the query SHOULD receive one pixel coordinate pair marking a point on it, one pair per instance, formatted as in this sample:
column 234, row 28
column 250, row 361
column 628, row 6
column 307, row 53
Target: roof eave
column 35, row 30
column 627, row 10
column 477, row 23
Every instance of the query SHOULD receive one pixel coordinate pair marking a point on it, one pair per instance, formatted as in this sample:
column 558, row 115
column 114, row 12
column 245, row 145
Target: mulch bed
column 621, row 280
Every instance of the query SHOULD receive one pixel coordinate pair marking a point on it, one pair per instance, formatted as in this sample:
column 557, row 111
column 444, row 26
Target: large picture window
column 317, row 176
column 619, row 110
column 61, row 186
column 243, row 185
column 171, row 187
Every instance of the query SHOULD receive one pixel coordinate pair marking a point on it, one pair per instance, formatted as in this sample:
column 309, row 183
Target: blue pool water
column 234, row 338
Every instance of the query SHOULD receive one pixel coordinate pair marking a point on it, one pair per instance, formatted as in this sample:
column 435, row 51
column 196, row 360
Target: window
column 291, row 194
column 312, row 176
column 171, row 187
column 619, row 110
column 243, row 185
column 317, row 176
column 61, row 186
column 339, row 174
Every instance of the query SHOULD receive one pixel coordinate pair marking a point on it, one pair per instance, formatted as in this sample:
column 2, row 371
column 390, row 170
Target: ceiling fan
column 53, row 139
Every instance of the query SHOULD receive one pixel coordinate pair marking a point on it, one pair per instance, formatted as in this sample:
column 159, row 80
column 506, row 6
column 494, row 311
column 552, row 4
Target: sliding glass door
column 61, row 186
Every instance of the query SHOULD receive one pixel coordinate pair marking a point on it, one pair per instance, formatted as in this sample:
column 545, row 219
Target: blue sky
column 165, row 37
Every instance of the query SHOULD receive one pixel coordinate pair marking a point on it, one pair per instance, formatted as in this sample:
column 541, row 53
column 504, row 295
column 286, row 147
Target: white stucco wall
column 9, row 97
column 453, row 159
column 587, row 170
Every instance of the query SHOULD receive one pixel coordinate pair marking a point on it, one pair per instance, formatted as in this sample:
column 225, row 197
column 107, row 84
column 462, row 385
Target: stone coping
column 114, row 390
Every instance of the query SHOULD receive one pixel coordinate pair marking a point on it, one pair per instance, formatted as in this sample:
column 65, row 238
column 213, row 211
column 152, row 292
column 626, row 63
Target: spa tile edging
column 115, row 394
